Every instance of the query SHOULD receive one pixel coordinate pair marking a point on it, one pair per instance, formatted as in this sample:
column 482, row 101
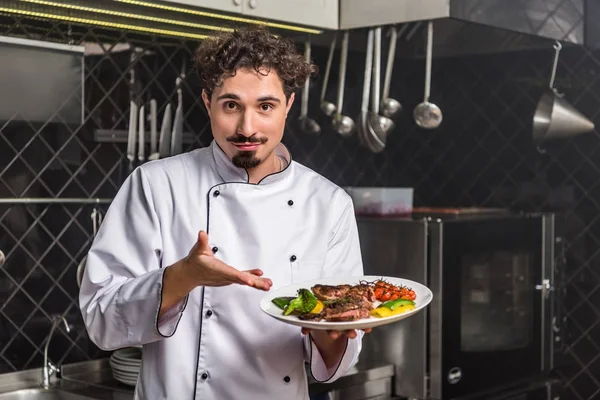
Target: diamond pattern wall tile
column 482, row 155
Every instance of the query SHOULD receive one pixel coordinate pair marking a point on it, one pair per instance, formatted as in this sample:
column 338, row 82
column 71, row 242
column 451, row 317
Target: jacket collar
column 230, row 173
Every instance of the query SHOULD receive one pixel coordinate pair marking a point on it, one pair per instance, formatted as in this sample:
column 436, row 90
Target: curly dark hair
column 253, row 47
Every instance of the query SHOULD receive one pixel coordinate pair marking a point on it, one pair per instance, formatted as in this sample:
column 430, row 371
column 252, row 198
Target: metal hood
column 477, row 26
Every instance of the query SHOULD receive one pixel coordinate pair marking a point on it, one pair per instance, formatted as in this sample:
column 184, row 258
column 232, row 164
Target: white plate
column 128, row 354
column 424, row 297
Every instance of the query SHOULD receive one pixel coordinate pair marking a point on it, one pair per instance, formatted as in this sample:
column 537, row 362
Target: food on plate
column 393, row 307
column 339, row 303
column 385, row 291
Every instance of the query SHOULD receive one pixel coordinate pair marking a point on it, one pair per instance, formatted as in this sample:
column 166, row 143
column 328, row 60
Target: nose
column 246, row 124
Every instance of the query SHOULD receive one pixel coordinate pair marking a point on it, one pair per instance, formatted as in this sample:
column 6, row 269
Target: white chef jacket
column 217, row 344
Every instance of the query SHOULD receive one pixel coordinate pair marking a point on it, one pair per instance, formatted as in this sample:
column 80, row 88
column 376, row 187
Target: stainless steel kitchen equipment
column 328, row 107
column 390, row 107
column 554, row 117
column 427, row 114
column 48, row 369
column 307, row 124
column 56, row 96
column 177, row 132
column 489, row 326
column 343, row 124
column 379, row 125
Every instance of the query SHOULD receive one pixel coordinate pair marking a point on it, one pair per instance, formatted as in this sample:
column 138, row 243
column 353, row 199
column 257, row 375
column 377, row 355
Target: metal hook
column 557, row 47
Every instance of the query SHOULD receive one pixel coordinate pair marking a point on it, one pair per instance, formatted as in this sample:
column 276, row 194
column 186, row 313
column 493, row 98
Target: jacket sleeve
column 121, row 288
column 343, row 259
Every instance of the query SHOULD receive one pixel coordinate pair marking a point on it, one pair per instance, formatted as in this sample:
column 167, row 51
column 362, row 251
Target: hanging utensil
column 326, row 106
column 343, row 124
column 428, row 115
column 141, row 135
column 177, row 133
column 364, row 106
column 164, row 144
column 554, row 117
column 379, row 125
column 367, row 138
column 153, row 127
column 96, row 217
column 307, row 124
column 133, row 114
column 153, row 153
column 390, row 107
column 131, row 135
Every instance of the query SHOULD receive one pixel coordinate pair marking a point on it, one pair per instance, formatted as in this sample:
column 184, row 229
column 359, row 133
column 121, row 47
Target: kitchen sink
column 42, row 394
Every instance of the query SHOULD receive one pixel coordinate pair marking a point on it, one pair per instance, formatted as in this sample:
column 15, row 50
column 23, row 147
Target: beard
column 246, row 159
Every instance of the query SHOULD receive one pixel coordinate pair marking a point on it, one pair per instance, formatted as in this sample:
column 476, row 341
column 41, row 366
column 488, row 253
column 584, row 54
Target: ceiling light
column 106, row 24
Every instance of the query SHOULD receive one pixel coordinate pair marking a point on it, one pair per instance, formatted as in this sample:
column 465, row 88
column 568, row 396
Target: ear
column 289, row 103
column 206, row 102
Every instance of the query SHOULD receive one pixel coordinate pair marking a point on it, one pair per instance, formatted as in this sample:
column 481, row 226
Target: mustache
column 237, row 138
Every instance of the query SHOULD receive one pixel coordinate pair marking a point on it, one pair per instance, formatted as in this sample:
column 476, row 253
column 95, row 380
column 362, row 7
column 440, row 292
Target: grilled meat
column 311, row 317
column 362, row 292
column 349, row 315
column 328, row 292
column 342, row 303
column 349, row 308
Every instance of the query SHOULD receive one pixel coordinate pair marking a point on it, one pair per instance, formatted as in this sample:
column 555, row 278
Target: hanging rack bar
column 41, row 200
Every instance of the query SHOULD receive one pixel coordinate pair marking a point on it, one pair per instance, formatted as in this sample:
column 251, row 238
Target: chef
column 191, row 243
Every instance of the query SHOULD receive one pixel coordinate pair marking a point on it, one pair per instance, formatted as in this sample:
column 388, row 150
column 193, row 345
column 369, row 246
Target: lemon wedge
column 318, row 308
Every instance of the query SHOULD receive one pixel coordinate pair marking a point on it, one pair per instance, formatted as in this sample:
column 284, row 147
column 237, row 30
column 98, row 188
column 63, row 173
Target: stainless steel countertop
column 94, row 379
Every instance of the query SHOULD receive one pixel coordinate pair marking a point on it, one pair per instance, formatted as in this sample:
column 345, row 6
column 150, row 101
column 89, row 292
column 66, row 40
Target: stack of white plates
column 125, row 364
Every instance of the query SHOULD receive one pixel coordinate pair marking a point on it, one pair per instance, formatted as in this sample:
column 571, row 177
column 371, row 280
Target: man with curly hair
column 191, row 242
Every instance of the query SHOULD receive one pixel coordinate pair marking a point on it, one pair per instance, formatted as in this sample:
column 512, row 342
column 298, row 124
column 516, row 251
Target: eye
column 266, row 107
column 230, row 105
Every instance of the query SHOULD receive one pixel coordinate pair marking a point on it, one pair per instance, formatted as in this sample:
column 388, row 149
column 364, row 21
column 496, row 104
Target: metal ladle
column 390, row 107
column 307, row 124
column 427, row 115
column 326, row 106
column 366, row 135
column 343, row 124
column 379, row 125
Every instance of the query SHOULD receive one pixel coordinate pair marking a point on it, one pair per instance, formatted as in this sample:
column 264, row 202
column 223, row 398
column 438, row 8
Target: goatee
column 246, row 160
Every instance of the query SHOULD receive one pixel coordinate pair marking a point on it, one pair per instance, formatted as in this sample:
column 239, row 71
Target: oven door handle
column 545, row 287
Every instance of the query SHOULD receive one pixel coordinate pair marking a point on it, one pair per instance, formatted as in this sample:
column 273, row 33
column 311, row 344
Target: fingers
column 253, row 279
column 337, row 334
column 202, row 242
column 350, row 334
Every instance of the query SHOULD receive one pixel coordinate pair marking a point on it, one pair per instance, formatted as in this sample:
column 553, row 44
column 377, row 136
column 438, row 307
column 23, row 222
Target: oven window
column 497, row 301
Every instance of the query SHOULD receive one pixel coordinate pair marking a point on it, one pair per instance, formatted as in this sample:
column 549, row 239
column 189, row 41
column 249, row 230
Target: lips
column 247, row 146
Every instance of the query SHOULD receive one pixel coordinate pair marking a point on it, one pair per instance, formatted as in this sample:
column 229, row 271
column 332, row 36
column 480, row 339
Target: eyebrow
column 232, row 96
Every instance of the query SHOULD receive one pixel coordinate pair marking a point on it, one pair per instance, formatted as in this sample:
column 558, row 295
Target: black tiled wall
column 482, row 155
